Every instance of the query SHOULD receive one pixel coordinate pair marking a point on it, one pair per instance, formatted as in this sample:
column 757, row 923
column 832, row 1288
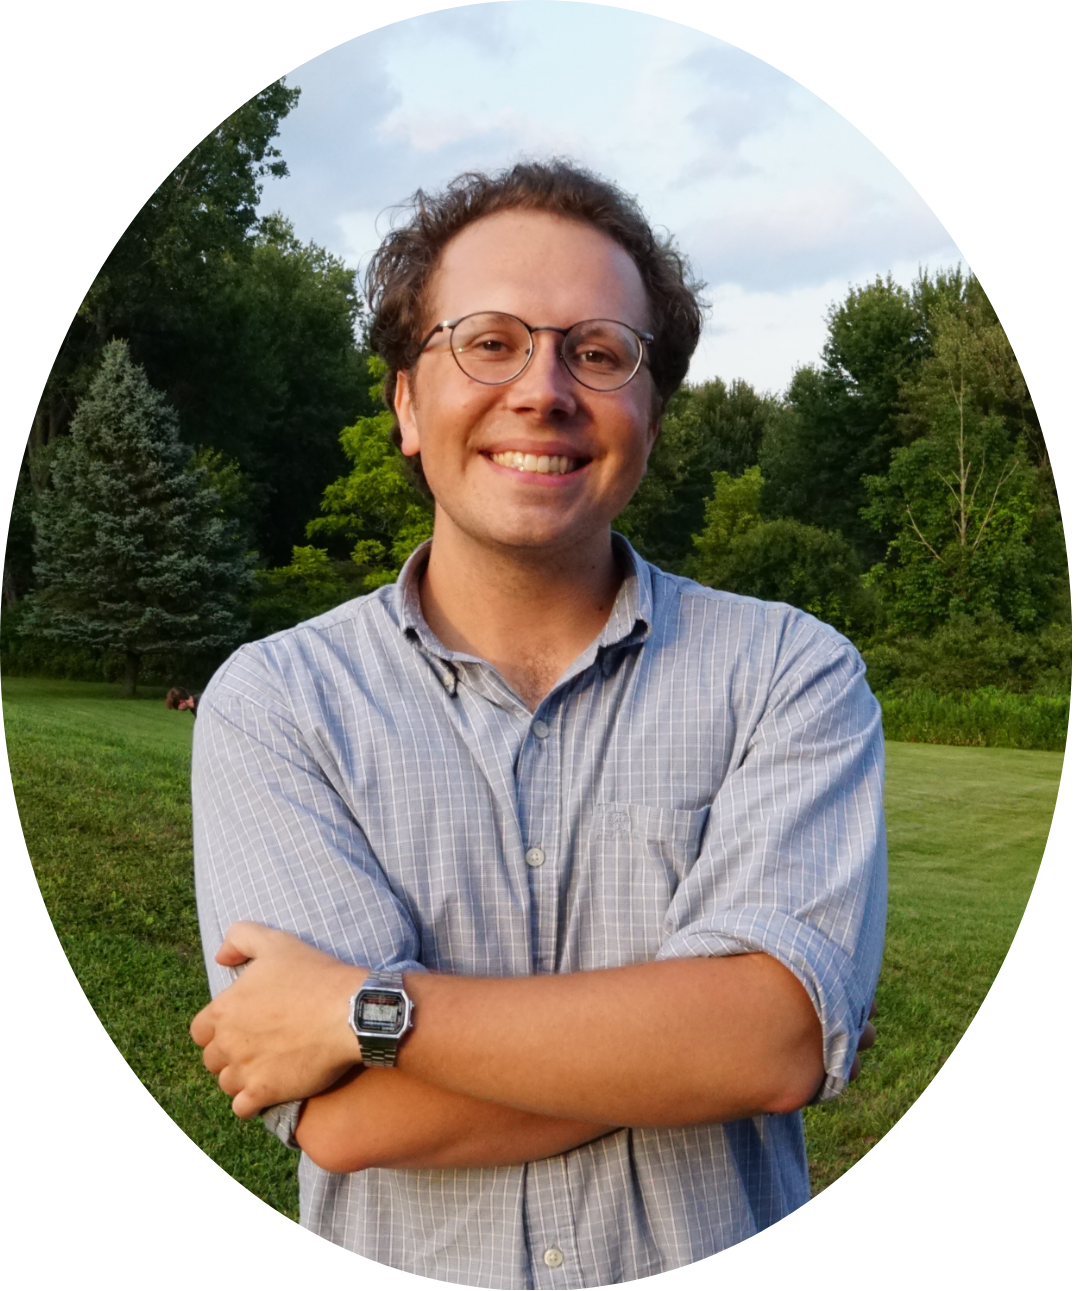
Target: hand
column 868, row 1039
column 280, row 1031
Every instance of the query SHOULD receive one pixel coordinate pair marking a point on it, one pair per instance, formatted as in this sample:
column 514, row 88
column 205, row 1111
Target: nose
column 545, row 386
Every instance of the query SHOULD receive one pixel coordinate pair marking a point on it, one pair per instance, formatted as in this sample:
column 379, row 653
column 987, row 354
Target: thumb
column 243, row 941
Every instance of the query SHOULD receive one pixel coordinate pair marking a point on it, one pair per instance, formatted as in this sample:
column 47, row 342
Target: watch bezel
column 399, row 1032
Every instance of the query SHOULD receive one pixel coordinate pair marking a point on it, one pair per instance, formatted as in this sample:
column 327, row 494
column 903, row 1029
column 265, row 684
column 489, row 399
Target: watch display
column 379, row 1011
column 380, row 1015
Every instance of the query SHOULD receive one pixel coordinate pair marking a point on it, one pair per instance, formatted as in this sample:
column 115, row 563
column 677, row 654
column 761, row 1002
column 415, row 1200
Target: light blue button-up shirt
column 705, row 779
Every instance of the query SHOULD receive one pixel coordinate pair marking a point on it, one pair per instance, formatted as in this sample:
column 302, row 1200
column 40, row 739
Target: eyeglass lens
column 495, row 348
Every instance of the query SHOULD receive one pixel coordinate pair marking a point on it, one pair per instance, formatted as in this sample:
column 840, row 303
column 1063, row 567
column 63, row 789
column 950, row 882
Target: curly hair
column 400, row 270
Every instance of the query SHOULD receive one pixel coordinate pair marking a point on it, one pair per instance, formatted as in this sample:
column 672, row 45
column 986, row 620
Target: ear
column 404, row 407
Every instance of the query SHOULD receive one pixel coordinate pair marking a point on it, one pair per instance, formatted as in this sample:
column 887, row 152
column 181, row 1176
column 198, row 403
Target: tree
column 975, row 527
column 776, row 560
column 376, row 508
column 707, row 428
column 158, row 276
column 134, row 554
column 276, row 374
column 309, row 585
column 842, row 414
column 250, row 334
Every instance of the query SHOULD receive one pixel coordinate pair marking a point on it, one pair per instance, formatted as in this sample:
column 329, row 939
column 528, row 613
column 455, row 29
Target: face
column 547, row 271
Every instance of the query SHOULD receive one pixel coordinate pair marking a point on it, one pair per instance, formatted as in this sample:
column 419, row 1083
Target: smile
column 537, row 465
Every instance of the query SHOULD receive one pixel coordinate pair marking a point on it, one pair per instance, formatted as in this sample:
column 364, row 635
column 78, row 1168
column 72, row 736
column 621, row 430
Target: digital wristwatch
column 380, row 1014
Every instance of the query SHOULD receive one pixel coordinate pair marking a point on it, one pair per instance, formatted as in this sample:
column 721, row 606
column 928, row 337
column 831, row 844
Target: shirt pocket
column 668, row 836
column 632, row 860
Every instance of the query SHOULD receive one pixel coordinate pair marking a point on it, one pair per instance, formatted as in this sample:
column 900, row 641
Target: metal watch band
column 381, row 1051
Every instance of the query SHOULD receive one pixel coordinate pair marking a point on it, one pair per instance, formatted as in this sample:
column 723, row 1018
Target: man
column 614, row 840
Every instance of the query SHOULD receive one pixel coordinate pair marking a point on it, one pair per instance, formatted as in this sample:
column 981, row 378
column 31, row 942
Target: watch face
column 380, row 1012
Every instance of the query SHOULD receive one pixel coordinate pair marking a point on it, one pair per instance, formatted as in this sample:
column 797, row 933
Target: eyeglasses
column 496, row 348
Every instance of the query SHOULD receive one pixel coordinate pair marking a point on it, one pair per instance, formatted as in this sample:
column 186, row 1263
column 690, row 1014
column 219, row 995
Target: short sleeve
column 275, row 842
column 793, row 861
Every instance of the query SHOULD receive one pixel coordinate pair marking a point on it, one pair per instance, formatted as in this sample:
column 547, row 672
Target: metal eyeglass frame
column 644, row 338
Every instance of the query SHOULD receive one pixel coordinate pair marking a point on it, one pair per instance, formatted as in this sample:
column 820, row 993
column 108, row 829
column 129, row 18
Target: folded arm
column 387, row 1118
column 672, row 1043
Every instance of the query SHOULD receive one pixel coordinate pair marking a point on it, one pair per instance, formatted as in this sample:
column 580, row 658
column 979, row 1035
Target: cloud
column 813, row 234
column 487, row 27
column 738, row 96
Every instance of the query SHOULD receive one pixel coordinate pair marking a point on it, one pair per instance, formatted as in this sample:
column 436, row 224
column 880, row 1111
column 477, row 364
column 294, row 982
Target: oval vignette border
column 955, row 1184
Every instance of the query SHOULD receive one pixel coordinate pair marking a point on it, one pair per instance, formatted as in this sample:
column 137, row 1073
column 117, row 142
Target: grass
column 102, row 787
column 966, row 829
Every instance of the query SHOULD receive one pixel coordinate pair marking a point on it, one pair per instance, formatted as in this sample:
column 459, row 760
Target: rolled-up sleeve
column 793, row 861
column 275, row 843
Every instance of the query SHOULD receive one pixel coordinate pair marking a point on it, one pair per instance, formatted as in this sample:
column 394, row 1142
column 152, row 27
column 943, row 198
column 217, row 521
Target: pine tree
column 133, row 553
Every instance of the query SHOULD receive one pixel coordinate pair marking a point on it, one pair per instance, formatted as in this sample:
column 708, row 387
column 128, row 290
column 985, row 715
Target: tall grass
column 985, row 718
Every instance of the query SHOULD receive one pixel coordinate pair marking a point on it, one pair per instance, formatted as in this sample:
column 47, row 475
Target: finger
column 213, row 1059
column 244, row 940
column 245, row 1106
column 202, row 1027
column 230, row 1082
column 855, row 1070
column 868, row 1037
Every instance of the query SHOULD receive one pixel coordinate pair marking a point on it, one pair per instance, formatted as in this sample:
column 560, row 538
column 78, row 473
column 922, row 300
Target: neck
column 529, row 613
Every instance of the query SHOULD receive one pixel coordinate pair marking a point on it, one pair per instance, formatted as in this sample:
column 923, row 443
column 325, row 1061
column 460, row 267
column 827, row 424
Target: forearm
column 383, row 1118
column 672, row 1043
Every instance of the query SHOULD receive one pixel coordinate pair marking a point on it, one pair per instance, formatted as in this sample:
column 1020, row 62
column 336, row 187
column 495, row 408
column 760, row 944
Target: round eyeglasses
column 495, row 348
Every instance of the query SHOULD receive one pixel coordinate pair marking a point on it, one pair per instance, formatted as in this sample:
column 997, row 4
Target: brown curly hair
column 401, row 268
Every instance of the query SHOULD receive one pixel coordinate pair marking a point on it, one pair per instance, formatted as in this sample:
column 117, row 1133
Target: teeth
column 544, row 465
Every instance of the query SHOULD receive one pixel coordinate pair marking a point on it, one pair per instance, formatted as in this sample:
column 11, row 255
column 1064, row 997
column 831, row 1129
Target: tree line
column 187, row 483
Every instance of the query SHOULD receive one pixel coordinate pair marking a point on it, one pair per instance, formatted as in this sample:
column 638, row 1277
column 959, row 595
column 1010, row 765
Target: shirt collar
column 629, row 623
column 631, row 615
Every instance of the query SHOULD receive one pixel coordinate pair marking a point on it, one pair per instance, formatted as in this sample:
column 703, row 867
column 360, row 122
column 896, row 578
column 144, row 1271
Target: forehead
column 544, row 268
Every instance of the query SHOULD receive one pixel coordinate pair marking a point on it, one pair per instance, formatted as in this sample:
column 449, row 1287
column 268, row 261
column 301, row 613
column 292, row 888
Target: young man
column 613, row 840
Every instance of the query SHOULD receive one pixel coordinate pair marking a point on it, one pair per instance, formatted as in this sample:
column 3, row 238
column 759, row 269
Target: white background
column 971, row 101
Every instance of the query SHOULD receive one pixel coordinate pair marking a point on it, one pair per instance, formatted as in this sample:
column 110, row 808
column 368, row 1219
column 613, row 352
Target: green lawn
column 102, row 788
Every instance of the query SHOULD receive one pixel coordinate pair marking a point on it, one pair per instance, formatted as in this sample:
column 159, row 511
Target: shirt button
column 553, row 1258
column 540, row 730
column 535, row 856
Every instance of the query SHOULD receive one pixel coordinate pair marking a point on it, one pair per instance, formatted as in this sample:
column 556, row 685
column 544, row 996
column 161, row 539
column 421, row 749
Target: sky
column 779, row 203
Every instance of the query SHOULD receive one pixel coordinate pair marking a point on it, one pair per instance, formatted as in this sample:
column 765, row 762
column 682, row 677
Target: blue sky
column 778, row 201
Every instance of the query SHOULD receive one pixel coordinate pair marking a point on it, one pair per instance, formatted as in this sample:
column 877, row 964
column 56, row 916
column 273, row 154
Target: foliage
column 250, row 334
column 169, row 259
column 308, row 586
column 277, row 375
column 707, row 428
column 970, row 653
column 973, row 524
column 376, row 508
column 841, row 422
column 776, row 560
column 133, row 554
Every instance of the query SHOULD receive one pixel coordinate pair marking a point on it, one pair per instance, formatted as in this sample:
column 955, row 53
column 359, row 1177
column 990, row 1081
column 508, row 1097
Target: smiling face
column 542, row 462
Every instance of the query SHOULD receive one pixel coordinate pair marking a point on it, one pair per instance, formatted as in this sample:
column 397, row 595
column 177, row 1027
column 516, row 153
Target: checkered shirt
column 705, row 779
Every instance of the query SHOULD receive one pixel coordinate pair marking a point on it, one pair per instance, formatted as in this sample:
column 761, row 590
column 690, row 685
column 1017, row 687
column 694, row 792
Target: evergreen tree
column 133, row 552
